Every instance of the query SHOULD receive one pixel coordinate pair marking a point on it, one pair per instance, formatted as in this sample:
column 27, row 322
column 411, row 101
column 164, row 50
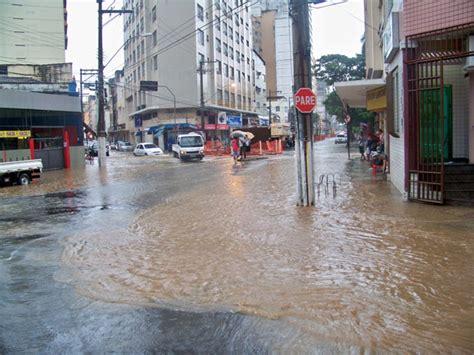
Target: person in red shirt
column 235, row 149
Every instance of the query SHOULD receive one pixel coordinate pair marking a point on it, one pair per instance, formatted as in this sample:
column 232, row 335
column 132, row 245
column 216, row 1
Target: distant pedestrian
column 235, row 149
column 361, row 142
column 242, row 148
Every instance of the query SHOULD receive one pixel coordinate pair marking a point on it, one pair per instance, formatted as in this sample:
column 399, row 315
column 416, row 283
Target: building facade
column 214, row 44
column 272, row 32
column 420, row 83
column 33, row 32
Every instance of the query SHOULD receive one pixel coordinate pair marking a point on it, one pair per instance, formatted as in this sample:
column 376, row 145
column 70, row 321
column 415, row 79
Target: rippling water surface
column 362, row 271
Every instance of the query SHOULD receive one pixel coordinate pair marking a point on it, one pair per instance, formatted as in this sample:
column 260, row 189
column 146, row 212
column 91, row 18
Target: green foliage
column 338, row 67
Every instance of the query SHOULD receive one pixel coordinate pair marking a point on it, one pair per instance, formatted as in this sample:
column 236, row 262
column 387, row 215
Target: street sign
column 148, row 85
column 305, row 100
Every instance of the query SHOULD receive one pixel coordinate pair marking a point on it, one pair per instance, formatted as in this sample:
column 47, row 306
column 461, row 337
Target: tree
column 338, row 67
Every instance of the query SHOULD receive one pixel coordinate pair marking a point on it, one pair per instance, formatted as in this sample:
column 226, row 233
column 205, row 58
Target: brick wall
column 428, row 15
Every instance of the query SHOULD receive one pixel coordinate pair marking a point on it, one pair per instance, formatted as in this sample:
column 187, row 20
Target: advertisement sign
column 222, row 117
column 223, row 127
column 234, row 121
column 15, row 134
column 138, row 120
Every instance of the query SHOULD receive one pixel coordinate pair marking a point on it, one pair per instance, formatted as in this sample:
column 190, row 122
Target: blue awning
column 159, row 130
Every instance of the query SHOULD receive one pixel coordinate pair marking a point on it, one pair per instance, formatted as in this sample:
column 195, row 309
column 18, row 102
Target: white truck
column 189, row 146
column 20, row 172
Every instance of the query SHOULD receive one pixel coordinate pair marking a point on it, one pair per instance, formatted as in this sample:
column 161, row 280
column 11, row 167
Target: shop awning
column 158, row 130
column 354, row 93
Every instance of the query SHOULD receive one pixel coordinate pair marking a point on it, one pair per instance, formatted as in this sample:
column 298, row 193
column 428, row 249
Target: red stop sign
column 305, row 100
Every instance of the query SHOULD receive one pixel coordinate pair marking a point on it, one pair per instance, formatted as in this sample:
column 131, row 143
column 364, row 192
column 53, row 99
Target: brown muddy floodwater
column 362, row 271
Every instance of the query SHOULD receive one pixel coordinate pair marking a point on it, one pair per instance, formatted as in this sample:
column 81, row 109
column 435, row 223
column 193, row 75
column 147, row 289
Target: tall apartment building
column 273, row 42
column 33, row 32
column 165, row 41
column 38, row 98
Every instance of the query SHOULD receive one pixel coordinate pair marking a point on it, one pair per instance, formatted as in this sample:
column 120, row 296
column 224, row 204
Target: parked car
column 113, row 146
column 341, row 137
column 124, row 146
column 147, row 149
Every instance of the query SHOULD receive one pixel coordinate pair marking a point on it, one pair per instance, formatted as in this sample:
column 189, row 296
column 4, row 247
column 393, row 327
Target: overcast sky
column 336, row 29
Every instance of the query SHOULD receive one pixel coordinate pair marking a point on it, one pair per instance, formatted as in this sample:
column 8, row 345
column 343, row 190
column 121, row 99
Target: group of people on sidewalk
column 240, row 148
column 372, row 149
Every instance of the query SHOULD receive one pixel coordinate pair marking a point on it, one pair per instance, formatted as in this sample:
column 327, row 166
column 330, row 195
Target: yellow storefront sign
column 377, row 100
column 15, row 134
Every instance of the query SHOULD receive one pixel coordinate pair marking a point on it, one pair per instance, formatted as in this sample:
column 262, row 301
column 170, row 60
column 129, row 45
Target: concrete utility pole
column 100, row 83
column 201, row 88
column 302, row 78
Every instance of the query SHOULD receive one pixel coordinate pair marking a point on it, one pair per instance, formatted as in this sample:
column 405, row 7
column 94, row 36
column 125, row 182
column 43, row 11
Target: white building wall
column 454, row 76
column 33, row 32
column 284, row 58
column 397, row 144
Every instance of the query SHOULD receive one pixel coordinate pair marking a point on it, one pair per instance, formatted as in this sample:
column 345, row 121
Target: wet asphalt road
column 155, row 255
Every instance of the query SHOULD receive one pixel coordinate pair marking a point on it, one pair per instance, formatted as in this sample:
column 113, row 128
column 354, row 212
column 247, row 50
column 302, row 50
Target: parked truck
column 20, row 172
column 189, row 146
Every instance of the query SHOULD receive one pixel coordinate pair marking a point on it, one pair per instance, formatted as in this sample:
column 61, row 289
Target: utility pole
column 201, row 88
column 100, row 82
column 302, row 79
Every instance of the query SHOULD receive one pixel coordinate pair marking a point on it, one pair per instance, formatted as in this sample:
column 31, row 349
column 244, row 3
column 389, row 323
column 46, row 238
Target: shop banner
column 234, row 121
column 15, row 134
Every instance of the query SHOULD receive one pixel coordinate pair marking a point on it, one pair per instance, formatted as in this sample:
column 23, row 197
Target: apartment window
column 226, row 96
column 219, row 94
column 153, row 13
column 239, row 99
column 143, row 47
column 248, row 78
column 232, row 98
column 218, row 45
column 277, row 108
column 237, row 55
column 218, row 23
column 231, row 36
column 138, row 50
column 155, row 62
column 224, row 28
column 248, row 44
column 242, row 39
column 200, row 35
column 201, row 58
column 238, row 75
column 219, row 67
column 237, row 37
column 243, row 57
column 232, row 72
column 154, row 38
column 226, row 70
column 139, row 73
column 241, row 21
column 226, row 49
column 200, row 12
column 142, row 25
column 248, row 61
column 396, row 103
column 231, row 52
column 143, row 69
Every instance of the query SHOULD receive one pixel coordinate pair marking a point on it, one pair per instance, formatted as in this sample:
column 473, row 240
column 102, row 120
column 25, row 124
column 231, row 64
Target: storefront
column 41, row 126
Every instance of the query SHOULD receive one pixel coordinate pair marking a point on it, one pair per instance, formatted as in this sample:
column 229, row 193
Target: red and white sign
column 305, row 100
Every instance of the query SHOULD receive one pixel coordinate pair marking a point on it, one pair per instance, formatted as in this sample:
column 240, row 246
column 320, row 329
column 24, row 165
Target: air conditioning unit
column 469, row 67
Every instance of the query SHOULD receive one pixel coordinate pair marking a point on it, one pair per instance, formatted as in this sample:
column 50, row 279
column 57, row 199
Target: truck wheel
column 24, row 179
column 175, row 154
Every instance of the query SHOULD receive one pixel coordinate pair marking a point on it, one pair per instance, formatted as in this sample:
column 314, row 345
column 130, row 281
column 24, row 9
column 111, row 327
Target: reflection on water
column 363, row 269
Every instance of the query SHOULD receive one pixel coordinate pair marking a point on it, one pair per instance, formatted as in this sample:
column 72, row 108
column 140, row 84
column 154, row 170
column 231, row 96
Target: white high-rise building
column 33, row 32
column 273, row 41
column 165, row 41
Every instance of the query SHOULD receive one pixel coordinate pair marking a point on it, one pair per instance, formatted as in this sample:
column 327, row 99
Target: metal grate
column 428, row 110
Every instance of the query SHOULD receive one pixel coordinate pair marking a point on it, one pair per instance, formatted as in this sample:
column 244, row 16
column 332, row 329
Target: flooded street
column 152, row 254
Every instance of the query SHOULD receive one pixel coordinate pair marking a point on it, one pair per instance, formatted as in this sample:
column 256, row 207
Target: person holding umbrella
column 235, row 149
